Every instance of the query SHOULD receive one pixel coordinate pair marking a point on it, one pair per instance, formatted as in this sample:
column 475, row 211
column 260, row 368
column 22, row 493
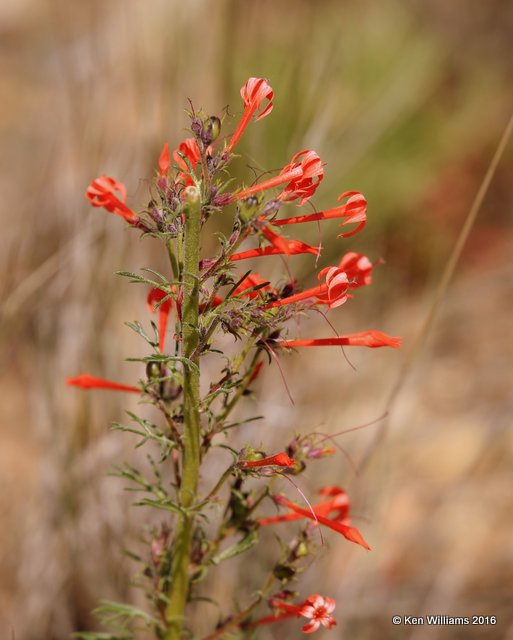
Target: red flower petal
column 350, row 533
column 154, row 297
column 278, row 460
column 372, row 339
column 164, row 160
column 189, row 148
column 253, row 93
column 305, row 185
column 294, row 247
column 250, row 281
column 332, row 293
column 86, row 381
column 302, row 177
column 358, row 268
column 355, row 210
column 101, row 193
column 338, row 503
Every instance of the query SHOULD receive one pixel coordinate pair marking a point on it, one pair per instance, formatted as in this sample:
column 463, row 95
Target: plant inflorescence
column 199, row 302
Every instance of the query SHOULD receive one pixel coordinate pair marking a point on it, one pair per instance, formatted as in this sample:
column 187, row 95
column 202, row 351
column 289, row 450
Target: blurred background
column 405, row 101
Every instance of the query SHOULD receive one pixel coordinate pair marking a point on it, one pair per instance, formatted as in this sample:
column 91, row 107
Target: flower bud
column 248, row 207
column 153, row 370
column 211, row 130
column 284, row 572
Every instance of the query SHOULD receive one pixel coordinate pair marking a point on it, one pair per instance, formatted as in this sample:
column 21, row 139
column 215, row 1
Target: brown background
column 405, row 101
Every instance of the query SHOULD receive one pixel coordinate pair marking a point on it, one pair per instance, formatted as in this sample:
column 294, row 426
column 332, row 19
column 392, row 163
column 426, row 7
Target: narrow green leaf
column 248, row 541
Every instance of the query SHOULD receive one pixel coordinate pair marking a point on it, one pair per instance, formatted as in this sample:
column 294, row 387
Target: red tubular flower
column 85, row 381
column 332, row 293
column 358, row 268
column 354, row 210
column 302, row 177
column 372, row 339
column 293, row 247
column 154, row 297
column 256, row 372
column 319, row 610
column 278, row 460
column 337, row 502
column 164, row 160
column 350, row 533
column 250, row 281
column 101, row 193
column 253, row 93
column 304, row 186
column 189, row 148
column 316, row 607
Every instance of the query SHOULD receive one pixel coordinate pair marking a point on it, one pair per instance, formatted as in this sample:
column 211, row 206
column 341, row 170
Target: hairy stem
column 175, row 610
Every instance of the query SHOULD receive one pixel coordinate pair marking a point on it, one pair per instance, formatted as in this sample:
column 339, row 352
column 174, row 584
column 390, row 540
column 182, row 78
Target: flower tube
column 102, row 193
column 278, row 460
column 301, row 178
column 354, row 210
column 317, row 608
column 86, row 381
column 371, row 339
column 333, row 292
column 350, row 533
column 254, row 93
column 154, row 297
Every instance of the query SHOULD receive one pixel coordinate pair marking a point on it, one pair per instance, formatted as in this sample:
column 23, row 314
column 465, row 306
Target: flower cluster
column 204, row 298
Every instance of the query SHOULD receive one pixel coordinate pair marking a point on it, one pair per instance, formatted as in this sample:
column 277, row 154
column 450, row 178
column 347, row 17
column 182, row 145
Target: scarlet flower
column 333, row 292
column 350, row 533
column 302, row 179
column 316, row 607
column 278, row 460
column 372, row 339
column 256, row 372
column 319, row 610
column 154, row 297
column 253, row 93
column 189, row 148
column 358, row 268
column 164, row 160
column 85, row 381
column 291, row 247
column 337, row 502
column 250, row 281
column 303, row 187
column 101, row 193
column 354, row 210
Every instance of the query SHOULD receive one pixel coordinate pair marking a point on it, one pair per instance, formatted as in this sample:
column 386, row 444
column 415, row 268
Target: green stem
column 244, row 384
column 236, row 620
column 172, row 258
column 179, row 589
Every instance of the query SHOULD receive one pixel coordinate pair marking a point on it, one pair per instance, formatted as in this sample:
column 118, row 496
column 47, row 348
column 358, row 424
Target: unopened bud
column 284, row 572
column 153, row 370
column 211, row 130
column 273, row 206
column 249, row 207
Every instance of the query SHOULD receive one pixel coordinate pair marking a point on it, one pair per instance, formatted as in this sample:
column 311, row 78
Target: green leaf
column 162, row 357
column 138, row 328
column 248, row 541
column 137, row 279
column 160, row 504
column 110, row 612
